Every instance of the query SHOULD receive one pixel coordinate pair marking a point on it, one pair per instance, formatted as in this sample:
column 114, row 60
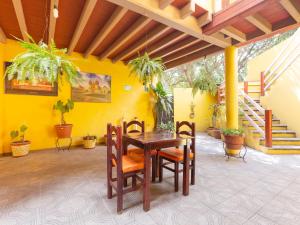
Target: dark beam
column 194, row 56
column 234, row 13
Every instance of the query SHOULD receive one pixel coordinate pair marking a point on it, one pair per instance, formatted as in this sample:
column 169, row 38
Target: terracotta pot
column 20, row 148
column 234, row 143
column 63, row 130
column 214, row 132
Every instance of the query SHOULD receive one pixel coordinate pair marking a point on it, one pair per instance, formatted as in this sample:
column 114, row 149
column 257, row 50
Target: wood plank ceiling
column 123, row 29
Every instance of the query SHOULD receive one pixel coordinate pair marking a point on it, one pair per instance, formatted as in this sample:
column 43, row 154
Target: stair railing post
column 268, row 128
column 246, row 87
column 262, row 84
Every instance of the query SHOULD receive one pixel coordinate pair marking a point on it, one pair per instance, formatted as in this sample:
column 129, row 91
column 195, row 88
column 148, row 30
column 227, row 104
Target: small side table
column 59, row 147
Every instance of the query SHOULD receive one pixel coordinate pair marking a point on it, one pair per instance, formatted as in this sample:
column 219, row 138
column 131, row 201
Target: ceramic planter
column 89, row 142
column 63, row 130
column 214, row 132
column 20, row 148
column 234, row 143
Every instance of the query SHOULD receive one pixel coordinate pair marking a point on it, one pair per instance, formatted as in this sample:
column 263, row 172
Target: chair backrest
column 114, row 144
column 140, row 125
column 187, row 128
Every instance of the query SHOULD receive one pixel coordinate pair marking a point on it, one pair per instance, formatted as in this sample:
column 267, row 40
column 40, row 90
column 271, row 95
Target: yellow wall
column 88, row 118
column 182, row 107
column 260, row 63
column 1, row 99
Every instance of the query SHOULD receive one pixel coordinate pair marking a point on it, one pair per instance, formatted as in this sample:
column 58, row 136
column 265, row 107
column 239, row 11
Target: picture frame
column 42, row 88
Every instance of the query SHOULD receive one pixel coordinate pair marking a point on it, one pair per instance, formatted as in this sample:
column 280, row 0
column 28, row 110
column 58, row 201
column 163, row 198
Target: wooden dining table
column 158, row 140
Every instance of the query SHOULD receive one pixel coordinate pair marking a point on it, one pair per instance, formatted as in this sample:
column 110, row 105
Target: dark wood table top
column 156, row 139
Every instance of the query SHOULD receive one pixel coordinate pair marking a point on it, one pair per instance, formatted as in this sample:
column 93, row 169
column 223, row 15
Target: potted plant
column 41, row 62
column 213, row 130
column 234, row 140
column 89, row 142
column 22, row 146
column 63, row 130
column 146, row 69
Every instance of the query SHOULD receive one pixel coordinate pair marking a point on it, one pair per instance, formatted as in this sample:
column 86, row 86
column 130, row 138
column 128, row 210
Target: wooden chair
column 126, row 166
column 139, row 127
column 176, row 155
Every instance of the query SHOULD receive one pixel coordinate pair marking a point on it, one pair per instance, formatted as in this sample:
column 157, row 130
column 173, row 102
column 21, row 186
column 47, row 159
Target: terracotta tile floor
column 53, row 188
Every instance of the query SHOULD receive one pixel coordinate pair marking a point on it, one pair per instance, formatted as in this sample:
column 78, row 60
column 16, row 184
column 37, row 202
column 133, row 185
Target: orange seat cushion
column 139, row 152
column 131, row 163
column 174, row 154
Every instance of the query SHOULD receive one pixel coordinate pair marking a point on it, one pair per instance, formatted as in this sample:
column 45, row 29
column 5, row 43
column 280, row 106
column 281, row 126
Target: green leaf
column 14, row 134
column 23, row 128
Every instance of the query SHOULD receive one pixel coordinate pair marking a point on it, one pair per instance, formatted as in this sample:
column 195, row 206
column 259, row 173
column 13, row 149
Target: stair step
column 274, row 121
column 279, row 133
column 285, row 147
column 282, row 141
column 274, row 127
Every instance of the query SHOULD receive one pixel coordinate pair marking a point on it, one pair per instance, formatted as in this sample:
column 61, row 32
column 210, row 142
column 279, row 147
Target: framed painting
column 92, row 88
column 41, row 87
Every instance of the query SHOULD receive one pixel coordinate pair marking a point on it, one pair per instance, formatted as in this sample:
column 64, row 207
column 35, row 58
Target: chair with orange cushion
column 176, row 155
column 126, row 166
column 135, row 126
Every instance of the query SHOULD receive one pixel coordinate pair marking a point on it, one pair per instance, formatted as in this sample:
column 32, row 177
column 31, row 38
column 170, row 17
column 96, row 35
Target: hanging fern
column 41, row 62
column 146, row 69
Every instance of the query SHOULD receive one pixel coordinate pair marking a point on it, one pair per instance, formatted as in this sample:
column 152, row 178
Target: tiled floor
column 53, row 188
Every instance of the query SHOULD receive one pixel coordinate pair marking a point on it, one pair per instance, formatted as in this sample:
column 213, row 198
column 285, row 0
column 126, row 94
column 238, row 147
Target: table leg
column 186, row 171
column 146, row 185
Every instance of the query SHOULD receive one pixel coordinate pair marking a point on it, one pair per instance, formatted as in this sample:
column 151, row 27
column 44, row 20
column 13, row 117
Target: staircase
column 283, row 140
column 264, row 131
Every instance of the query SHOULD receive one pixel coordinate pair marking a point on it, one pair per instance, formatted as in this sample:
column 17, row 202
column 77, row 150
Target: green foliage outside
column 41, row 62
column 19, row 133
column 63, row 108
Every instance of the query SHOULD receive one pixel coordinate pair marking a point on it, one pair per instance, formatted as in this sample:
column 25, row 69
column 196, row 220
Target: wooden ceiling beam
column 106, row 29
column 2, row 36
column 170, row 16
column 221, row 38
column 164, row 3
column 188, row 9
column 175, row 47
column 233, row 13
column 84, row 17
column 52, row 21
column 169, row 39
column 260, row 22
column 205, row 19
column 293, row 8
column 127, row 35
column 153, row 34
column 193, row 56
column 234, row 33
column 186, row 51
column 21, row 18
